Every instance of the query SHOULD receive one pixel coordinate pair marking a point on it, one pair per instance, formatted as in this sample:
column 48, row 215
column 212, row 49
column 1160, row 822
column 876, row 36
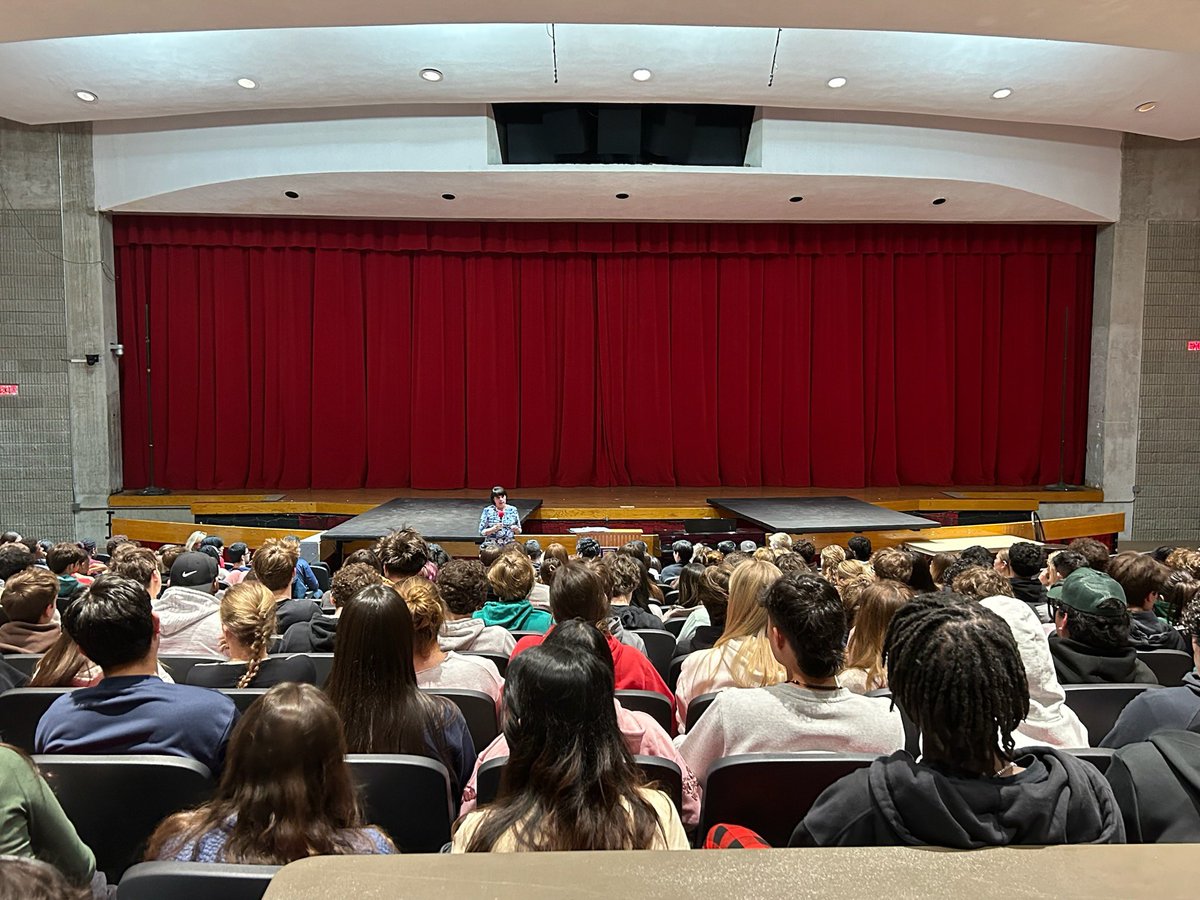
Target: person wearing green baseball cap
column 1092, row 641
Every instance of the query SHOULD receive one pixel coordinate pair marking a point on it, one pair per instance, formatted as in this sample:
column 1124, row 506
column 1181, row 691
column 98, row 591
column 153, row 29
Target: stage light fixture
column 837, row 82
column 1002, row 94
column 247, row 83
column 86, row 96
column 432, row 74
column 642, row 74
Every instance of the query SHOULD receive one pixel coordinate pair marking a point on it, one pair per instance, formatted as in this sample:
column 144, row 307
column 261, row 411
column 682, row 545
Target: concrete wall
column 60, row 435
column 1144, row 442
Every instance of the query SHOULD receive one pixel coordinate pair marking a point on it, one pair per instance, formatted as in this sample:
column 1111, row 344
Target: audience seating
column 674, row 670
column 1099, row 705
column 1099, row 757
column 116, row 802
column 675, row 626
column 499, row 659
column 517, row 635
column 670, row 597
column 697, row 707
column 407, row 796
column 20, row 710
column 660, row 647
column 478, row 709
column 771, row 792
column 178, row 667
column 652, row 703
column 24, row 663
column 664, row 773
column 321, row 573
column 243, row 698
column 1168, row 666
column 912, row 735
column 323, row 663
column 195, row 881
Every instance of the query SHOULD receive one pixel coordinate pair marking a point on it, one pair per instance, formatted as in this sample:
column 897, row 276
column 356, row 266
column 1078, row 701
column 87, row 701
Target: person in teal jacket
column 511, row 578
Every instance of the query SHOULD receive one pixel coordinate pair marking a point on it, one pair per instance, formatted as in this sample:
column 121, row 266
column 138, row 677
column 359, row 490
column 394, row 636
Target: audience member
column 1143, row 580
column 489, row 552
column 893, row 563
column 189, row 614
column 859, row 547
column 741, row 657
column 1021, row 564
column 534, row 551
column 319, row 633
column 979, row 583
column 748, row 547
column 791, row 562
column 726, row 547
column 237, row 563
column 851, row 593
column 779, row 541
column 439, row 557
column 131, row 710
column 1157, row 787
column 22, row 878
column 625, row 575
column 830, row 557
column 511, row 580
column 247, row 625
column 808, row 711
column 28, row 602
column 587, row 548
column 274, row 567
column 808, row 552
column 877, row 603
column 193, row 541
column 557, row 551
column 640, row 731
column 435, row 667
column 1059, row 565
column 69, row 562
column 704, row 627
column 366, row 556
column 1093, row 551
column 937, row 567
column 570, row 782
column 403, row 554
column 286, row 793
column 1092, row 641
column 977, row 555
column 463, row 585
column 14, row 557
column 373, row 685
column 954, row 667
column 140, row 564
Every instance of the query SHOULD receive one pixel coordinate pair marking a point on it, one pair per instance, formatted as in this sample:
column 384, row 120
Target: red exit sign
column 1194, row 346
column 10, row 390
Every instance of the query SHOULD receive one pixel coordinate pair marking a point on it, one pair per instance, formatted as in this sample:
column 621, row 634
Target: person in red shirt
column 577, row 593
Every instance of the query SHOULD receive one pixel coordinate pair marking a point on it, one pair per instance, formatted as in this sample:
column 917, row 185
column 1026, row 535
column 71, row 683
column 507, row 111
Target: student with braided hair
column 247, row 626
column 954, row 667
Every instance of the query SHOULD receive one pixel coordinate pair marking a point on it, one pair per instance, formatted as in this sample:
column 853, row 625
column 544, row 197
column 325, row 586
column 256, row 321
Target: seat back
column 478, row 709
column 116, row 802
column 660, row 647
column 912, row 734
column 1099, row 705
column 697, row 707
column 675, row 626
column 517, row 635
column 323, row 663
column 1099, row 757
column 663, row 774
column 487, row 780
column 499, row 659
column 407, row 796
column 1168, row 666
column 195, row 881
column 321, row 572
column 674, row 670
column 650, row 702
column 20, row 711
column 772, row 792
column 24, row 663
column 243, row 698
column 179, row 666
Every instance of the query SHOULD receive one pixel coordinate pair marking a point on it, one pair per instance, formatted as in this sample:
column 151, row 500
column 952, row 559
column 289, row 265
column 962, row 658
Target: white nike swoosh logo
column 191, row 573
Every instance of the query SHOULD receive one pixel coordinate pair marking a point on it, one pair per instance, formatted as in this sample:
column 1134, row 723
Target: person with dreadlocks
column 954, row 667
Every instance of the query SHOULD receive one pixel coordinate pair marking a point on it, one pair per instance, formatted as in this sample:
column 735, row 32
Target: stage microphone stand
column 151, row 489
column 1061, row 485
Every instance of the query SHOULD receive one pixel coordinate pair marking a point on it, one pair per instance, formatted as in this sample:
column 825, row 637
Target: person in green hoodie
column 511, row 580
column 68, row 561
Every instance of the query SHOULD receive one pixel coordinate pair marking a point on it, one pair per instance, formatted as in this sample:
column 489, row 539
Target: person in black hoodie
column 1092, row 643
column 1157, row 786
column 1143, row 579
column 954, row 667
column 1021, row 564
column 317, row 635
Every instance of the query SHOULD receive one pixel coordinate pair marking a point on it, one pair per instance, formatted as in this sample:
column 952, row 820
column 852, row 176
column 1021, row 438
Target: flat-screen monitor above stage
column 808, row 515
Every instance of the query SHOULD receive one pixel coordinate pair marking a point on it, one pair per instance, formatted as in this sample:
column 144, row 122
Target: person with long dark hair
column 373, row 686
column 570, row 782
column 955, row 668
column 286, row 792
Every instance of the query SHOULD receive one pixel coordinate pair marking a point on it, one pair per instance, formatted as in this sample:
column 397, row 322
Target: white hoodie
column 189, row 623
column 1050, row 722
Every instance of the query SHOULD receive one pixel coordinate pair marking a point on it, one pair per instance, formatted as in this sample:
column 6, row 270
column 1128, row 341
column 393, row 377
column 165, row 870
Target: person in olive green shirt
column 33, row 824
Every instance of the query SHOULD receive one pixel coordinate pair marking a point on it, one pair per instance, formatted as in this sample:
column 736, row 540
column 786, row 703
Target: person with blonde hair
column 247, row 625
column 979, row 583
column 193, row 541
column 779, row 541
column 877, row 603
column 830, row 557
column 742, row 656
column 511, row 580
column 437, row 668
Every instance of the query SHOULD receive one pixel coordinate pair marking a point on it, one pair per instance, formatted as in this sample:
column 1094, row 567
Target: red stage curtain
column 334, row 354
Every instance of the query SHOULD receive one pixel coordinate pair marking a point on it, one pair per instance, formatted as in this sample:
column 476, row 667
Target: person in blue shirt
column 500, row 522
column 131, row 710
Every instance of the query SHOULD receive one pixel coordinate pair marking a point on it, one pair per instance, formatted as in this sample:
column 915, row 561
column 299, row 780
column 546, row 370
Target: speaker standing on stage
column 500, row 522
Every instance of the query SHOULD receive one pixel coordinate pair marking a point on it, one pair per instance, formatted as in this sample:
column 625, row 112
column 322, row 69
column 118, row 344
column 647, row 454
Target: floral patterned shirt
column 492, row 516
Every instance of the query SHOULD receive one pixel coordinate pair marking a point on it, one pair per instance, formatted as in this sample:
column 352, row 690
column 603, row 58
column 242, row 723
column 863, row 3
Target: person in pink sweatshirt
column 642, row 734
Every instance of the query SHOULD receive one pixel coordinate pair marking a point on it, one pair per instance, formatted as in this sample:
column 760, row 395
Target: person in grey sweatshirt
column 463, row 586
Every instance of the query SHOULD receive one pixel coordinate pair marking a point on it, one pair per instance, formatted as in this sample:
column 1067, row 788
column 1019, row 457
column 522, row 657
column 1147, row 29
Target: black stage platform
column 437, row 520
column 800, row 515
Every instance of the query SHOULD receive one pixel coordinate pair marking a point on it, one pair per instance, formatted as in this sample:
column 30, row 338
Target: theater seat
column 517, row 635
column 178, row 667
column 697, row 707
column 674, row 670
column 912, row 734
column 24, row 663
column 243, row 698
column 771, row 792
column 675, row 626
column 195, row 881
column 478, row 709
column 322, row 662
column 663, row 773
column 1099, row 757
column 20, row 710
column 1099, row 705
column 651, row 702
column 116, row 802
column 660, row 647
column 499, row 659
column 406, row 796
column 1168, row 666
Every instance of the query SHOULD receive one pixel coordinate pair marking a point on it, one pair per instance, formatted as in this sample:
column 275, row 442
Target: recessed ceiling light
column 642, row 74
column 794, row 199
column 1142, row 107
column 622, row 196
column 248, row 83
column 432, row 74
column 447, row 196
column 1002, row 94
column 291, row 195
column 938, row 201
column 836, row 82
column 86, row 96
